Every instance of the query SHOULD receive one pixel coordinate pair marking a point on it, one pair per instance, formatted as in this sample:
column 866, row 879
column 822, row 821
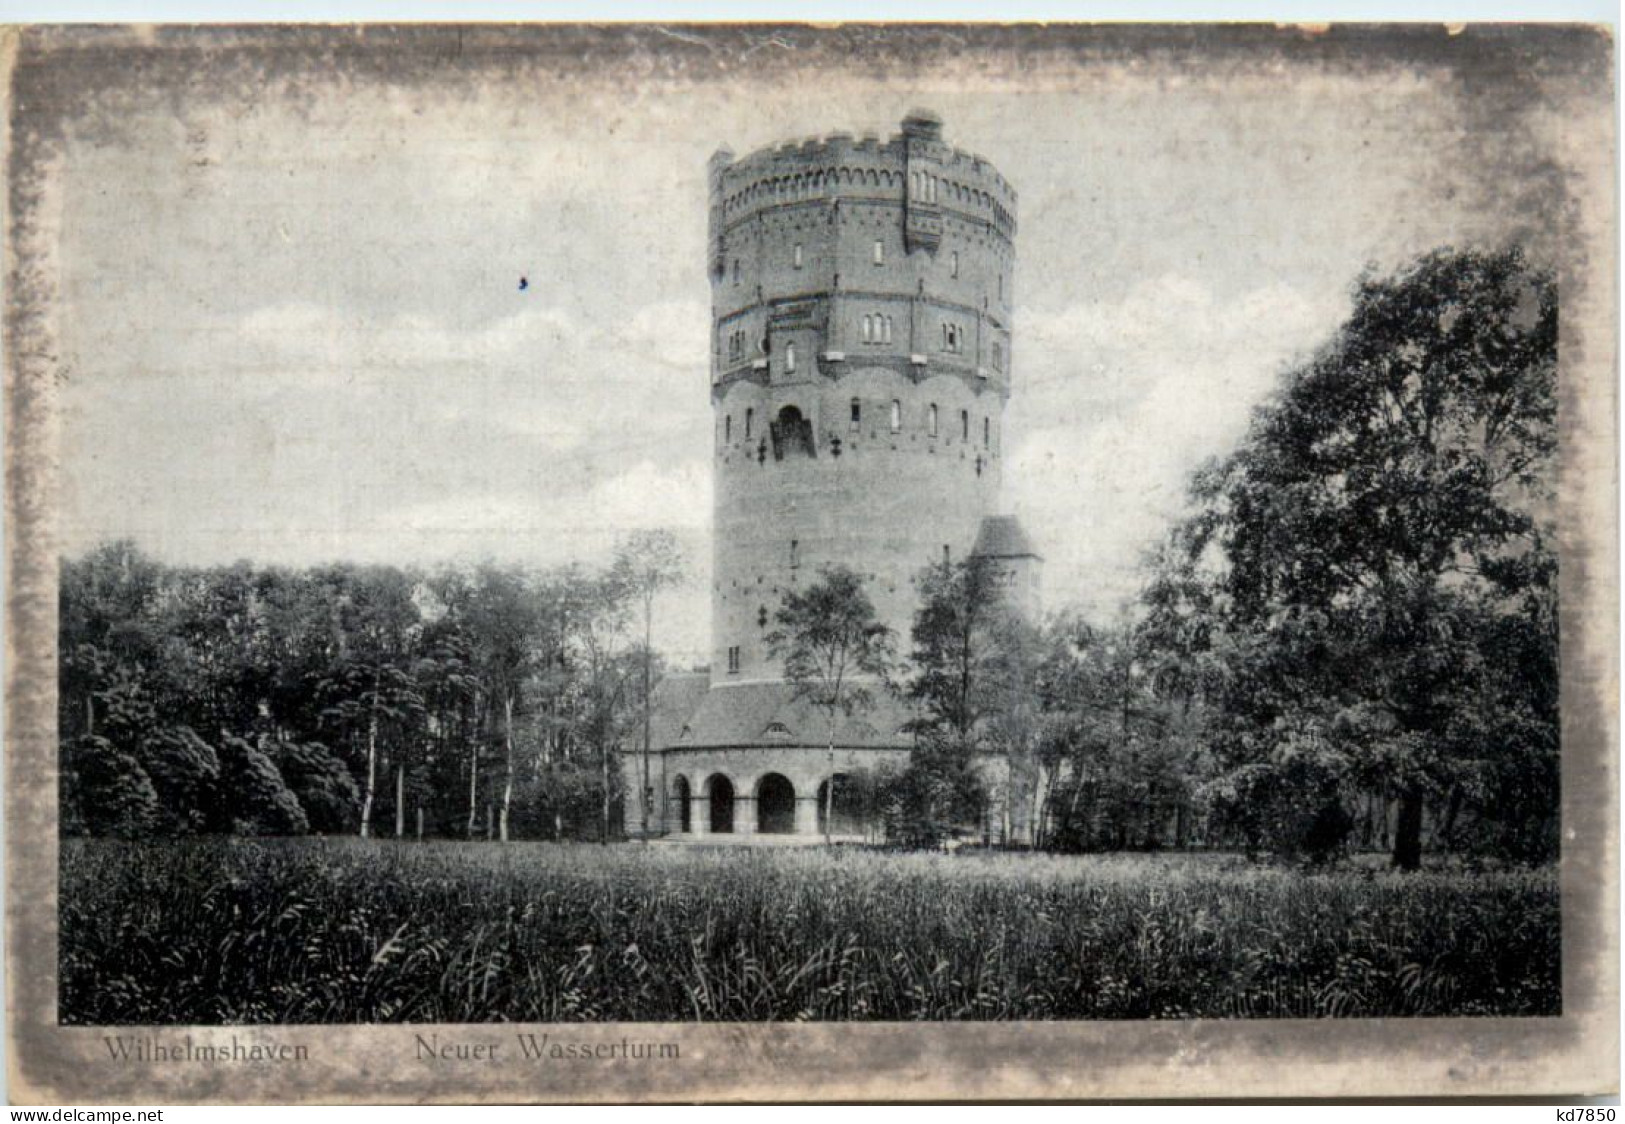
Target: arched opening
column 681, row 797
column 775, row 805
column 848, row 818
column 721, row 792
column 792, row 433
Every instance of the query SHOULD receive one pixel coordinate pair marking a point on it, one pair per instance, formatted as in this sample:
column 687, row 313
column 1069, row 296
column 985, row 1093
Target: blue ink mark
column 523, row 284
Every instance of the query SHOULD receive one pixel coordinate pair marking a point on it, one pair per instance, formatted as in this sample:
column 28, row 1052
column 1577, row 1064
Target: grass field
column 344, row 931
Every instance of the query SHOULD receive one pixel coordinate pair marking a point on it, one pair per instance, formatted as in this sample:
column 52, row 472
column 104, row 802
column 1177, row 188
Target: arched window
column 868, row 329
column 795, row 554
column 857, row 413
column 880, row 252
column 789, row 357
column 750, row 416
column 736, row 271
column 728, row 428
column 931, row 420
column 964, row 425
column 798, row 255
column 998, row 357
column 953, row 264
column 896, row 415
column 987, row 433
column 886, row 335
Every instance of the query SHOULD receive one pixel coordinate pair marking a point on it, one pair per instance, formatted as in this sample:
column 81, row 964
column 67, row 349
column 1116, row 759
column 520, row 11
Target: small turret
column 1002, row 541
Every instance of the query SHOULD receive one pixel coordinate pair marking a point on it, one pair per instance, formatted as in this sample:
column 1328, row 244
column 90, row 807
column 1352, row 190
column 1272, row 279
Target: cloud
column 1122, row 399
column 539, row 372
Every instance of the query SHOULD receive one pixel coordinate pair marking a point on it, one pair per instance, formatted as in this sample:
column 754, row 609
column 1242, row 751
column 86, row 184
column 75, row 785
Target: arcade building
column 861, row 360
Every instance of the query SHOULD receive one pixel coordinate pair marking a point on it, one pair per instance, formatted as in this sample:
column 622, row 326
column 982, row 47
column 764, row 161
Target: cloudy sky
column 292, row 330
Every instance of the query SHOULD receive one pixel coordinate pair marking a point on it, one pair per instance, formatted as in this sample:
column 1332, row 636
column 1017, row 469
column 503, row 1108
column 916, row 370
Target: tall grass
column 342, row 931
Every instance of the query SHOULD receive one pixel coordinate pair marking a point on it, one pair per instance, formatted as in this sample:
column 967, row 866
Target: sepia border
column 1576, row 1053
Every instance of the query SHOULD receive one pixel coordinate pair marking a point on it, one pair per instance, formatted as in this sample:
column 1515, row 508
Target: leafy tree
column 1100, row 740
column 184, row 770
column 369, row 692
column 106, row 633
column 321, row 783
column 608, row 672
column 1386, row 510
column 502, row 614
column 646, row 563
column 105, row 791
column 938, row 791
column 254, row 798
column 367, row 698
column 832, row 647
column 956, row 636
column 976, row 662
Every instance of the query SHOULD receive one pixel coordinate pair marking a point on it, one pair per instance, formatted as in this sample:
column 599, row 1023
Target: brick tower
column 860, row 364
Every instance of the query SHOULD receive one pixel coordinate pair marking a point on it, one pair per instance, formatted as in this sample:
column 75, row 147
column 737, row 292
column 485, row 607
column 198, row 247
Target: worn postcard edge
column 1574, row 1053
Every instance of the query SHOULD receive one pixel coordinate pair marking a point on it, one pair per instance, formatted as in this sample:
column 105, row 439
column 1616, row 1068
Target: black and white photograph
column 532, row 546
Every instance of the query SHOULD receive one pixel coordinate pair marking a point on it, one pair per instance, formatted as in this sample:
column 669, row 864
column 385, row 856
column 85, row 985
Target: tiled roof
column 1001, row 536
column 741, row 714
column 674, row 700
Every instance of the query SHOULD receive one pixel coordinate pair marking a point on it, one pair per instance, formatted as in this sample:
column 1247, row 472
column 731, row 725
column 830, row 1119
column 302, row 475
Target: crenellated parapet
column 915, row 168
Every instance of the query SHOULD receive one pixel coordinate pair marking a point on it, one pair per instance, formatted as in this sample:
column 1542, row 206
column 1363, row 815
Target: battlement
column 837, row 167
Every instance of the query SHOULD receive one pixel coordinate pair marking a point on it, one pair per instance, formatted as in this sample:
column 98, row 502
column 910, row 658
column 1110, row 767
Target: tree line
column 1350, row 639
column 466, row 701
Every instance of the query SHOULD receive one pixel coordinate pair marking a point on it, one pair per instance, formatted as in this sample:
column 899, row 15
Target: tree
column 1118, row 773
column 976, row 659
column 832, row 647
column 184, row 770
column 938, row 791
column 646, row 563
column 1385, row 511
column 370, row 696
column 254, row 799
column 502, row 615
column 320, row 782
column 956, row 635
column 606, row 676
column 105, row 791
column 369, row 691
